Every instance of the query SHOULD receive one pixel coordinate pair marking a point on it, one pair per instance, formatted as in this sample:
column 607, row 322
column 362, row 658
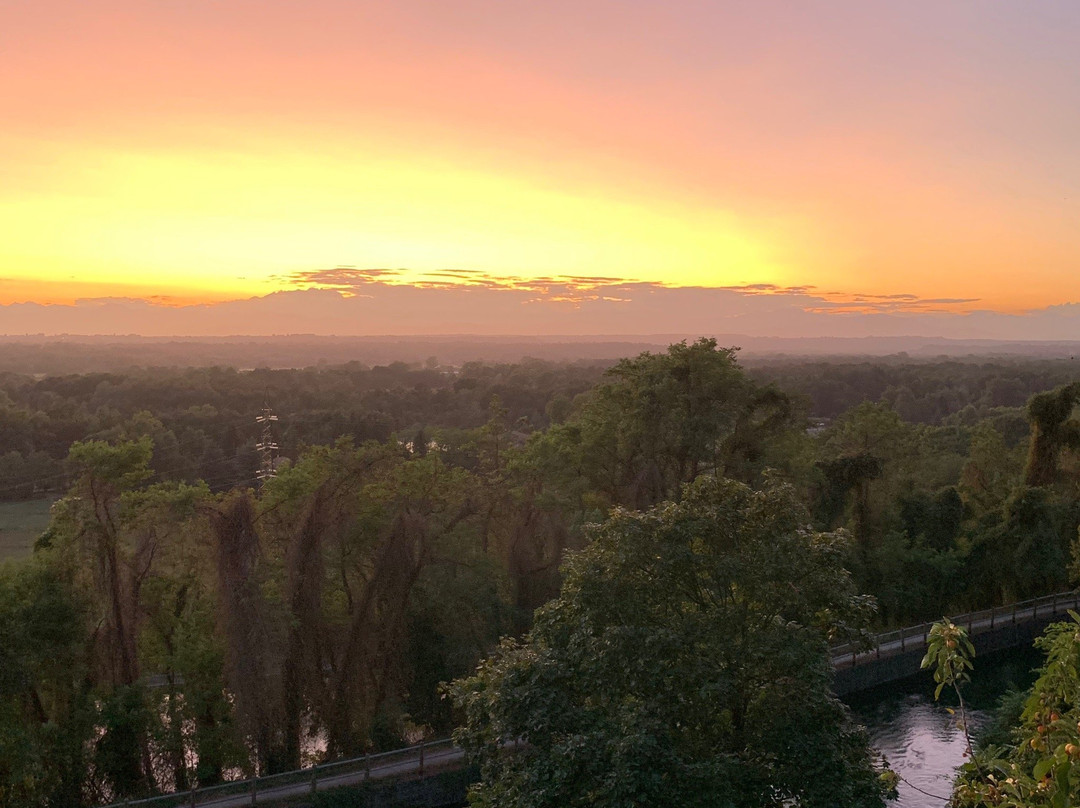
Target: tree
column 46, row 711
column 685, row 663
column 129, row 553
column 322, row 581
column 992, row 469
column 1024, row 554
column 1052, row 430
column 662, row 419
column 868, row 444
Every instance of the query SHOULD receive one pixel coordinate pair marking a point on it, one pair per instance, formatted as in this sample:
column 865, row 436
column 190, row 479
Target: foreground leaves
column 1041, row 767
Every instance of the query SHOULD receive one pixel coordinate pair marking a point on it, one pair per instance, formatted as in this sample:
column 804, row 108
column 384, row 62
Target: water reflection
column 922, row 743
column 920, row 738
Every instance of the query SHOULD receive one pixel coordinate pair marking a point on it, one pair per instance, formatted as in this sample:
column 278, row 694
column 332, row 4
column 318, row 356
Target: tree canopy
column 684, row 663
column 177, row 626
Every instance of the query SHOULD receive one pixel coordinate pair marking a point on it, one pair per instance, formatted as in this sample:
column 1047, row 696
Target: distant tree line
column 921, row 391
column 202, row 420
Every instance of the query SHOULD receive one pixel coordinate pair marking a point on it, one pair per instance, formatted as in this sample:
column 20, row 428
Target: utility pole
column 266, row 447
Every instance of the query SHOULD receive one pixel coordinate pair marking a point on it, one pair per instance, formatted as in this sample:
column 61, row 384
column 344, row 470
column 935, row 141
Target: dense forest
column 202, row 420
column 178, row 624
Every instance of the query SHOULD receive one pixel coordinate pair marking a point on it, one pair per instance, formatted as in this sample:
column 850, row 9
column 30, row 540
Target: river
column 920, row 738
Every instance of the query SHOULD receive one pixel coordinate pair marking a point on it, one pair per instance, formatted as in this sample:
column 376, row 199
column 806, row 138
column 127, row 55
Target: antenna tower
column 266, row 447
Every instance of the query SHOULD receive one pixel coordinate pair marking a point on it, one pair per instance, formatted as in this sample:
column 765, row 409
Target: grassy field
column 20, row 524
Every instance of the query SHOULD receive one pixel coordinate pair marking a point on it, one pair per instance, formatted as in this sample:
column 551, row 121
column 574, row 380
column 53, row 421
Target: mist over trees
column 176, row 626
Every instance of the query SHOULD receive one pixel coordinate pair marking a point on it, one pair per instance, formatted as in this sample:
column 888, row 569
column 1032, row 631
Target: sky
column 501, row 166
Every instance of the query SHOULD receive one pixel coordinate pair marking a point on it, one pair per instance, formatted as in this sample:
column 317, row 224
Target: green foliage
column 1040, row 764
column 685, row 663
column 1024, row 552
column 121, row 466
column 334, row 601
column 1053, row 429
column 661, row 420
column 922, row 391
column 45, row 711
column 917, row 579
column 949, row 653
column 992, row 469
column 937, row 519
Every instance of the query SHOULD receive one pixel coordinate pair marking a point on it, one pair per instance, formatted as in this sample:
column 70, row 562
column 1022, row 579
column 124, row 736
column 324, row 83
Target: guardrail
column 410, row 761
column 910, row 638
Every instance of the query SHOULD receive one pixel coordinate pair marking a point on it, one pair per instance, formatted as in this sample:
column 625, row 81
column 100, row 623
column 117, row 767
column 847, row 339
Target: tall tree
column 46, row 707
column 662, row 419
column 1053, row 429
column 685, row 663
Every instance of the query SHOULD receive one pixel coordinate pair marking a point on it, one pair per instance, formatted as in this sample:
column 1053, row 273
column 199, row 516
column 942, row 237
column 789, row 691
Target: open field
column 20, row 524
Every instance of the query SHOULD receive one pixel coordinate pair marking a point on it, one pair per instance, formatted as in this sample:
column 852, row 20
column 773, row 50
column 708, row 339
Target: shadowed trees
column 46, row 709
column 217, row 633
column 115, row 540
column 661, row 420
column 657, row 422
column 684, row 663
column 1053, row 430
column 253, row 633
column 345, row 538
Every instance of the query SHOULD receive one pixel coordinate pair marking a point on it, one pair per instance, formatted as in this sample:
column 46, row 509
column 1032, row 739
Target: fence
column 410, row 761
column 914, row 637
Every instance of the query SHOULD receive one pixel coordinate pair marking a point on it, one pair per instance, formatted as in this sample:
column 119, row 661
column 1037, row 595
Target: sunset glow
column 200, row 152
column 235, row 224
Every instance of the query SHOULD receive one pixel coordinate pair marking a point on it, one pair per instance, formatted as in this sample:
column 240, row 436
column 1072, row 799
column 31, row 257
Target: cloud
column 580, row 289
column 380, row 301
column 350, row 281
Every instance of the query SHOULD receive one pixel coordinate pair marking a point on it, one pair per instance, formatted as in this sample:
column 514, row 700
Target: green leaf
column 1042, row 768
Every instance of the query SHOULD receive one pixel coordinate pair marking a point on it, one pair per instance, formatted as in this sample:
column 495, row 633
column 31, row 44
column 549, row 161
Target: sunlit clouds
column 873, row 158
column 381, row 302
column 232, row 222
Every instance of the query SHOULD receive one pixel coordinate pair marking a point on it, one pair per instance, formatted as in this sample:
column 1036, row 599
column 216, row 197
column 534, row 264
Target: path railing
column 911, row 638
column 410, row 761
column 413, row 761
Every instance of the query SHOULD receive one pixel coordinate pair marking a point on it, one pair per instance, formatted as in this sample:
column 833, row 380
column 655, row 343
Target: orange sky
column 207, row 150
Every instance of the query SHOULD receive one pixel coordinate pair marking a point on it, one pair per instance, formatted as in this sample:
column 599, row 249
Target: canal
column 920, row 738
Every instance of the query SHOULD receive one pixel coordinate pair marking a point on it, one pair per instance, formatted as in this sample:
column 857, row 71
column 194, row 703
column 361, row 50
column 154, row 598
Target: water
column 919, row 737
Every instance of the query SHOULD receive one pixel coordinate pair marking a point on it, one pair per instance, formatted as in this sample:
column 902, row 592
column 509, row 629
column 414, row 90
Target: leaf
column 1042, row 768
